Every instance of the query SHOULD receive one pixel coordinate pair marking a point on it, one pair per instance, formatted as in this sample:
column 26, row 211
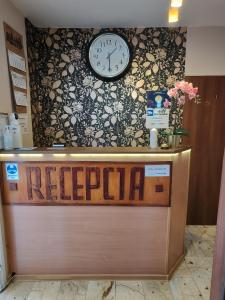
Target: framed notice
column 16, row 61
column 17, row 68
column 157, row 118
column 157, row 113
column 19, row 80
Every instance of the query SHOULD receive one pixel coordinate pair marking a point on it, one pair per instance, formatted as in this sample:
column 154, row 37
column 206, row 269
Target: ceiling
column 119, row 13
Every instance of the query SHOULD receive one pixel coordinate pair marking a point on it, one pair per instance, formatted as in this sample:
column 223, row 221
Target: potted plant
column 181, row 93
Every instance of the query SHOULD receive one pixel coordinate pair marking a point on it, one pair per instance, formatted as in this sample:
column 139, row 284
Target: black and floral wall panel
column 70, row 105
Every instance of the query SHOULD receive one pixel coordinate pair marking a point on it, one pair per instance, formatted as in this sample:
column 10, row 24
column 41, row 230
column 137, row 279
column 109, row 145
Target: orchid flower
column 182, row 91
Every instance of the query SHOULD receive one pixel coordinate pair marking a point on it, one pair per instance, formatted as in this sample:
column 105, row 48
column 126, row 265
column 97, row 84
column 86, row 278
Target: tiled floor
column 190, row 281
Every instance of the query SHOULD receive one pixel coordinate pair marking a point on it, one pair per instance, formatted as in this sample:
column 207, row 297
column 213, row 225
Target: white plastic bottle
column 1, row 138
column 16, row 131
column 7, row 138
column 153, row 138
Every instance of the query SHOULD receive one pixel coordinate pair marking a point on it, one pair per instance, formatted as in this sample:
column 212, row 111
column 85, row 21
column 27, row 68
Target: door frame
column 218, row 274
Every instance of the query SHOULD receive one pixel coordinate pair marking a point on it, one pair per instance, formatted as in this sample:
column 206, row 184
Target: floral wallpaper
column 70, row 105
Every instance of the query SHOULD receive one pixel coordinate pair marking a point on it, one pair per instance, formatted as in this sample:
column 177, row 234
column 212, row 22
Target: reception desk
column 95, row 212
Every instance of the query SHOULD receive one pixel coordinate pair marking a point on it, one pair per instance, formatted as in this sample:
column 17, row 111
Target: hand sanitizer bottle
column 153, row 138
column 1, row 137
column 16, row 131
column 7, row 138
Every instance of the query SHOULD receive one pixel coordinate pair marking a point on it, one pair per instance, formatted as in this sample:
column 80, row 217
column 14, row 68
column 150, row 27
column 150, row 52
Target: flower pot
column 174, row 141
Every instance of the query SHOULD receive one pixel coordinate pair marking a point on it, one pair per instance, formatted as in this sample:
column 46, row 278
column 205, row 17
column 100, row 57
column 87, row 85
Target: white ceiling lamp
column 176, row 3
column 173, row 15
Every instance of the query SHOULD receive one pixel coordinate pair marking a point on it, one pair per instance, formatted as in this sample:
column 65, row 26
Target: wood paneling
column 86, row 240
column 178, row 211
column 87, row 184
column 206, row 123
column 218, row 276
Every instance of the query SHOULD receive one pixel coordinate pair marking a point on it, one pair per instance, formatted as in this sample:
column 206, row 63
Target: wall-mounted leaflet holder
column 4, row 120
column 17, row 68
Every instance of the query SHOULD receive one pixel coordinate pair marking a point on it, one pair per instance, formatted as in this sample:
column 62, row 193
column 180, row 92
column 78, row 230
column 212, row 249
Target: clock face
column 109, row 56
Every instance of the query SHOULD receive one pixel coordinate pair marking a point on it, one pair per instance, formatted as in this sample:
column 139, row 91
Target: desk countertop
column 97, row 150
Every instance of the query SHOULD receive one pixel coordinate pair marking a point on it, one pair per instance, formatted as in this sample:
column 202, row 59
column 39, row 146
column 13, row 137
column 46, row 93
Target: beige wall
column 205, row 51
column 10, row 15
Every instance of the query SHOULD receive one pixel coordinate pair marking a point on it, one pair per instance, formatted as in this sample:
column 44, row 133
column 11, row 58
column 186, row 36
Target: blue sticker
column 150, row 112
column 12, row 171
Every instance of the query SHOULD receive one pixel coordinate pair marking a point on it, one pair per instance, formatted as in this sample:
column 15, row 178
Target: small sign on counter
column 157, row 118
column 157, row 170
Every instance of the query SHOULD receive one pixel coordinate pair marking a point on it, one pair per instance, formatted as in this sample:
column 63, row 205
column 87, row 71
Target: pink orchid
column 180, row 85
column 172, row 92
column 166, row 103
column 184, row 90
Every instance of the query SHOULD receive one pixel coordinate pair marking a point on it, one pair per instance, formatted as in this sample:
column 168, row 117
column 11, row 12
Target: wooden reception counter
column 95, row 212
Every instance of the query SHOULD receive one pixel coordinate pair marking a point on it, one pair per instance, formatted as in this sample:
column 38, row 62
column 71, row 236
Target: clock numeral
column 96, row 56
column 121, row 61
column 98, row 63
column 117, row 67
column 99, row 50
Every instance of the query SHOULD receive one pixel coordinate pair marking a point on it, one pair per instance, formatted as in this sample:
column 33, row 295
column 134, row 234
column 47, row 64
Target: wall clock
column 109, row 56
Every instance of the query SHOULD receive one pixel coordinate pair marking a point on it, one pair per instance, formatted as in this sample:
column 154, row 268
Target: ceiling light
column 176, row 3
column 173, row 15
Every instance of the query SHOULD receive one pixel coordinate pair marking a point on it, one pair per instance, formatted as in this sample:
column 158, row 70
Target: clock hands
column 112, row 51
column 109, row 56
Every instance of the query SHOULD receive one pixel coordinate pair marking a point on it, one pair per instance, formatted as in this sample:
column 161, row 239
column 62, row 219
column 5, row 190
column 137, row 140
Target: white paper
column 20, row 98
column 157, row 117
column 16, row 61
column 19, row 80
column 23, row 121
column 157, row 170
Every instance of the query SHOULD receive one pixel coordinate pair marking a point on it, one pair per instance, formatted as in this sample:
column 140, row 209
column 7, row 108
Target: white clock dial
column 109, row 55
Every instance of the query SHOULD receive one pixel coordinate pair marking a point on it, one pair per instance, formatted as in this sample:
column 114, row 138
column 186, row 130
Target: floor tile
column 127, row 290
column 51, row 290
column 185, row 288
column 101, row 290
column 203, row 282
column 17, row 290
column 72, row 290
column 157, row 290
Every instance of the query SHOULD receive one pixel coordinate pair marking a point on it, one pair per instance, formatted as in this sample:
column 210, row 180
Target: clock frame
column 106, row 78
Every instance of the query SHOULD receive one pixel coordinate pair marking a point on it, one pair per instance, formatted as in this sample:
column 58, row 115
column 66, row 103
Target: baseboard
column 92, row 277
column 102, row 276
column 175, row 266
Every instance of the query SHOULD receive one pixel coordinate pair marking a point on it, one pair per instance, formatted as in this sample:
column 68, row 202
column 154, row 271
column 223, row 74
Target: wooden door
column 218, row 275
column 206, row 124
